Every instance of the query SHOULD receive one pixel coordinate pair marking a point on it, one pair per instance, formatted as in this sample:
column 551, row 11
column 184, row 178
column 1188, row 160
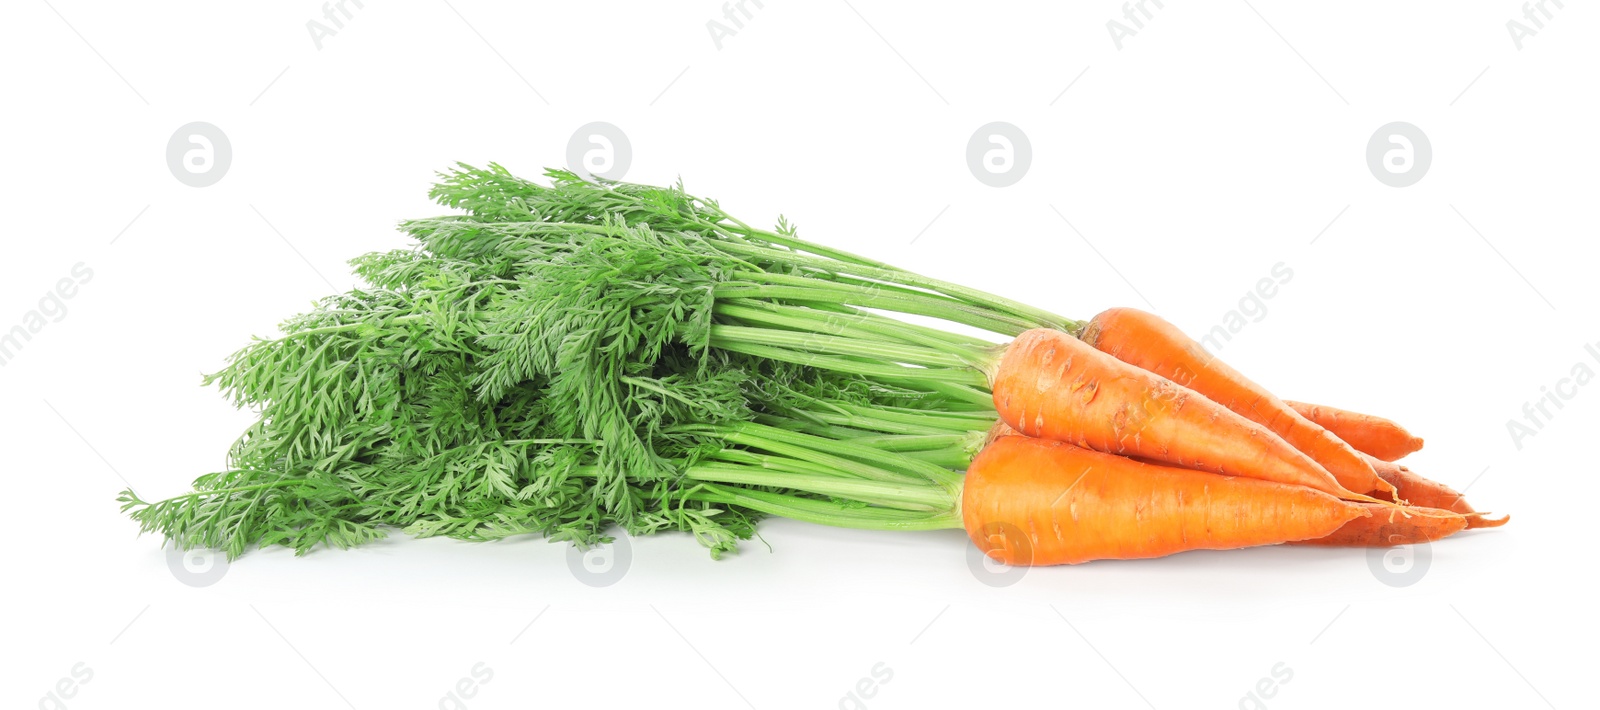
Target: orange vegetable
column 1053, row 386
column 1418, row 491
column 1427, row 497
column 1375, row 436
column 1389, row 526
column 1034, row 502
column 1146, row 341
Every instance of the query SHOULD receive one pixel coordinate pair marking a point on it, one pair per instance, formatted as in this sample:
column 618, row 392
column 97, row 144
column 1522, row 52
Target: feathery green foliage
column 568, row 358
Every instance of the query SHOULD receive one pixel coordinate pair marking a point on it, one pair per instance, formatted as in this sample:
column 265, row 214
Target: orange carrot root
column 1054, row 386
column 1389, row 526
column 1034, row 502
column 1146, row 341
column 1375, row 436
column 1418, row 491
column 1482, row 520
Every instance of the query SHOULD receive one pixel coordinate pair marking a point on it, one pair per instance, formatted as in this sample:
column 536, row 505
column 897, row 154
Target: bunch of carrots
column 1110, row 446
column 569, row 357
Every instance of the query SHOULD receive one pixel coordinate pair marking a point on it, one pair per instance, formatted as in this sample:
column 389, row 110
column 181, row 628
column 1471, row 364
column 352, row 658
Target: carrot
column 1368, row 434
column 1419, row 491
column 1389, row 526
column 1053, row 386
column 1146, row 341
column 1034, row 502
column 1422, row 492
column 1482, row 520
column 1428, row 497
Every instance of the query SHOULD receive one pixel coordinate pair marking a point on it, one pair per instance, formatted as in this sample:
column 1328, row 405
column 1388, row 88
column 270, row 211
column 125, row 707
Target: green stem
column 814, row 428
column 805, row 448
column 875, row 426
column 890, row 294
column 975, row 419
column 861, row 266
column 932, row 420
column 902, row 496
column 978, row 397
column 811, row 448
column 902, row 443
column 953, row 457
column 839, row 319
column 775, row 463
column 900, row 373
column 797, row 288
column 839, row 345
column 835, row 465
column 828, row 513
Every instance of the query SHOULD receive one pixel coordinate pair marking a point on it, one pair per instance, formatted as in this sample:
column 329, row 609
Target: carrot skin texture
column 1030, row 501
column 1419, row 491
column 1389, row 526
column 1371, row 435
column 1054, row 386
column 1146, row 341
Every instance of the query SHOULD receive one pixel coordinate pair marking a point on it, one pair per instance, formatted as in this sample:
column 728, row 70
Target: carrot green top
column 570, row 357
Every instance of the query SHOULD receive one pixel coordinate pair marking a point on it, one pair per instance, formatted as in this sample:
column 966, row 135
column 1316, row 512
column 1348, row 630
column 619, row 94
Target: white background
column 1221, row 139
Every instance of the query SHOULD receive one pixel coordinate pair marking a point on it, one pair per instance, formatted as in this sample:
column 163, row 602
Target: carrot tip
column 1479, row 520
column 1413, row 445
